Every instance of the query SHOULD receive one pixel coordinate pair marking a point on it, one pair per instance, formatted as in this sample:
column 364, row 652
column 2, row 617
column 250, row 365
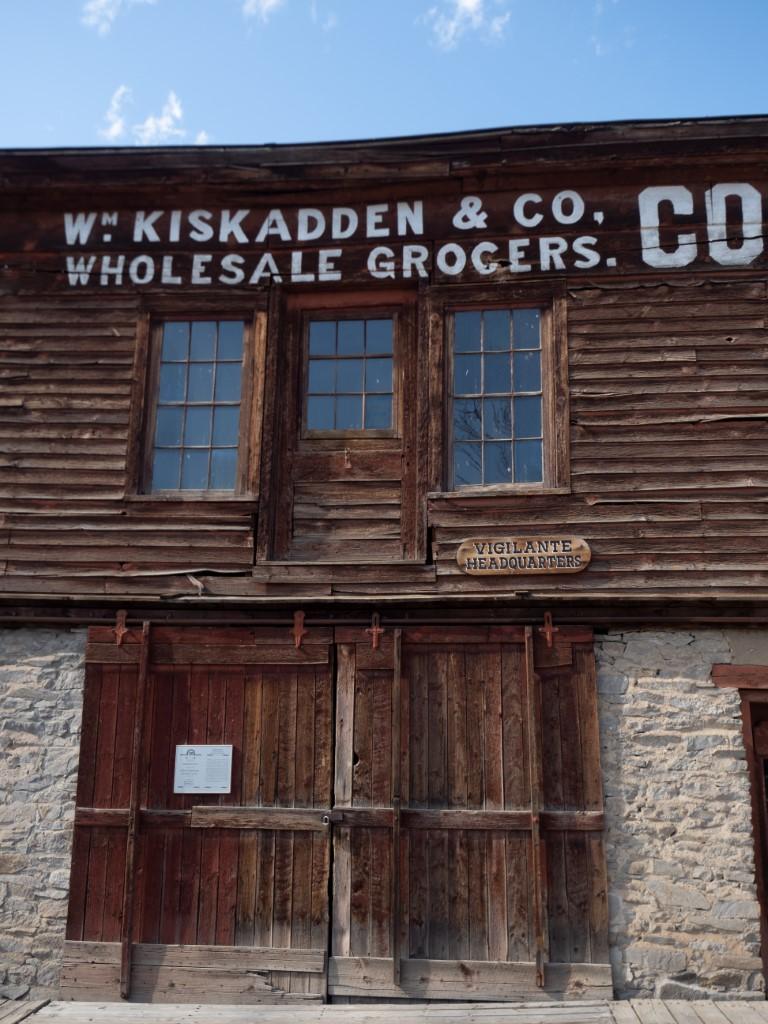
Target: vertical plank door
column 230, row 892
column 482, row 850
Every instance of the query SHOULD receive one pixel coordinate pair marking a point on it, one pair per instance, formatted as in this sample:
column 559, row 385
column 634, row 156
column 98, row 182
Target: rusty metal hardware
column 375, row 631
column 298, row 629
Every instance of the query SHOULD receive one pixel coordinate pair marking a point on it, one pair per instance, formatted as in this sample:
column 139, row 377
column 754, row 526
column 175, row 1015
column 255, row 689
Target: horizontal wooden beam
column 243, row 958
column 741, row 677
column 295, row 819
column 311, row 819
column 466, row 979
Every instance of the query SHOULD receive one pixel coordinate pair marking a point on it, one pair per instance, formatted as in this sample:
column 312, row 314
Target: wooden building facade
column 346, row 455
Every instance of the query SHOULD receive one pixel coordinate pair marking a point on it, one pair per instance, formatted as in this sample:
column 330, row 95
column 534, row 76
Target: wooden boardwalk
column 639, row 1011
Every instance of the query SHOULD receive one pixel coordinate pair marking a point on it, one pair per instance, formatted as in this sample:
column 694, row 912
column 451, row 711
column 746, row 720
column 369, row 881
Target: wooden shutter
column 229, row 895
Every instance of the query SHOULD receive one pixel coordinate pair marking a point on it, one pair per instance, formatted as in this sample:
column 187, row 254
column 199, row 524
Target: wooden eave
column 608, row 144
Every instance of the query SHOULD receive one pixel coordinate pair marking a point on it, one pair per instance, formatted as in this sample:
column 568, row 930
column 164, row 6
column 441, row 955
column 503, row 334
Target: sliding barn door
column 468, row 856
column 202, row 898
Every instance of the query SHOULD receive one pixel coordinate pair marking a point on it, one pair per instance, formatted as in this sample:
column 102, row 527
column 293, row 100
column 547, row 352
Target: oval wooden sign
column 522, row 556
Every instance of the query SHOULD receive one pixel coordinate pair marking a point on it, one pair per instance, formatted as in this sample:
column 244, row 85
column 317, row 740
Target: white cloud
column 162, row 127
column 454, row 18
column 100, row 14
column 202, row 138
column 114, row 127
column 263, row 8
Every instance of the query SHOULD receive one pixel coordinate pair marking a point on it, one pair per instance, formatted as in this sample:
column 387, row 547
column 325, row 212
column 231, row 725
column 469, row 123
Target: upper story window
column 194, row 424
column 350, row 375
column 497, row 403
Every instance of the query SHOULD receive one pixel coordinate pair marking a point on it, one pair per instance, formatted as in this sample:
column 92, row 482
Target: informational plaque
column 517, row 556
column 203, row 768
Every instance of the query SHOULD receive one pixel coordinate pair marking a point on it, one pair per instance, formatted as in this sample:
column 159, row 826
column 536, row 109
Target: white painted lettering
column 232, row 269
column 451, row 259
column 583, row 247
column 373, row 217
column 143, row 226
column 410, row 216
column 415, row 258
column 231, row 225
column 297, row 271
column 274, row 224
column 200, row 263
column 326, row 269
column 344, row 222
column 517, row 254
column 266, row 267
column 202, row 229
column 381, row 262
column 649, row 201
column 481, row 265
column 109, row 269
column 551, row 251
column 720, row 249
column 140, row 271
column 311, row 225
column 174, row 228
column 167, row 275
column 567, row 199
column 518, row 210
column 79, row 269
column 78, row 227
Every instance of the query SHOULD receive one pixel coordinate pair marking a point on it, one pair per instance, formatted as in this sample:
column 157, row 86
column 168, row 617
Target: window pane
column 466, row 419
column 203, row 340
column 496, row 329
column 528, row 417
column 227, row 382
column 526, row 328
column 497, row 417
column 322, row 374
column 467, row 465
column 527, row 371
column 197, row 428
column 165, row 470
column 194, row 470
column 231, row 339
column 351, row 337
column 498, row 462
column 528, row 462
column 497, row 376
column 378, row 375
column 378, row 412
column 320, row 414
column 349, row 375
column 349, row 413
column 223, row 468
column 175, row 341
column 466, row 331
column 226, row 424
column 322, row 338
column 466, row 376
column 378, row 337
column 169, row 424
column 172, row 380
column 200, row 382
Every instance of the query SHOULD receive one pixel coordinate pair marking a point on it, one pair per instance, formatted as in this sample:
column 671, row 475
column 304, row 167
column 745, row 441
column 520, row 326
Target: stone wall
column 41, row 686
column 684, row 920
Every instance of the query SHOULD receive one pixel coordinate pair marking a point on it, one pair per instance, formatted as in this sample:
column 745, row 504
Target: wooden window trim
column 741, row 677
column 144, row 401
column 443, row 302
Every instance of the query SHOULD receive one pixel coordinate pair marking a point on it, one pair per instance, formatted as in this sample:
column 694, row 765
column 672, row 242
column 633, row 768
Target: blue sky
column 143, row 72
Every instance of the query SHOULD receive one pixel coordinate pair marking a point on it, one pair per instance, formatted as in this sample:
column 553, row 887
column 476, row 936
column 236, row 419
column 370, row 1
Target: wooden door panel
column 499, row 868
column 225, row 874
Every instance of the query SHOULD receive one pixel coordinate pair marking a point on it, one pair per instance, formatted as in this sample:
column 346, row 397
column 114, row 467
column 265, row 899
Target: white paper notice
column 203, row 768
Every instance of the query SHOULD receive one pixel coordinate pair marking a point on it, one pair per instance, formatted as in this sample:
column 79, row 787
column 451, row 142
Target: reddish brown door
column 229, row 894
column 424, row 821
